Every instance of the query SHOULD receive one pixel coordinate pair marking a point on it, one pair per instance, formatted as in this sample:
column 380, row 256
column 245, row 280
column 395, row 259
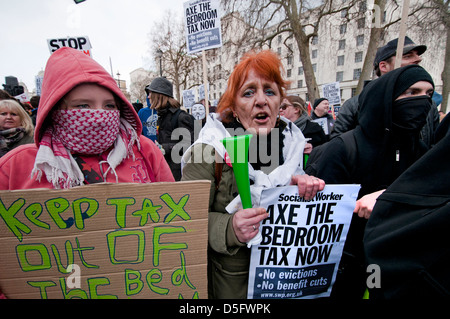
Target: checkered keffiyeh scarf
column 84, row 132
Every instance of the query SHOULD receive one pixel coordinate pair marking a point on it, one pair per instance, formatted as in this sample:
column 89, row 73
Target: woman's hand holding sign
column 246, row 223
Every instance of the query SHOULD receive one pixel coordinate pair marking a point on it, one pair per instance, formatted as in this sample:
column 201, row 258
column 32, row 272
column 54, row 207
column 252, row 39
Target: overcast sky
column 117, row 29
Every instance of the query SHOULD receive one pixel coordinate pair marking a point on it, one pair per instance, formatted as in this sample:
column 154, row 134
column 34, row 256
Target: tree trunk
column 375, row 34
column 310, row 77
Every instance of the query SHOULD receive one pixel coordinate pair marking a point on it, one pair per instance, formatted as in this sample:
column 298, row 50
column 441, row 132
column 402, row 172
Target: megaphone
column 237, row 149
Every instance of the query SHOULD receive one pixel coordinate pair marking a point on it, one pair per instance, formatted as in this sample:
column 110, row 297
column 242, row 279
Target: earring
column 236, row 117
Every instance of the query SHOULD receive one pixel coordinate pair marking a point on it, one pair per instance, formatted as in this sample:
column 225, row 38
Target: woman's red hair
column 265, row 63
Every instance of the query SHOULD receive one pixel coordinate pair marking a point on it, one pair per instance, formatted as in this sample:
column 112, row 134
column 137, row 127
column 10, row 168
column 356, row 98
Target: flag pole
column 402, row 34
column 205, row 83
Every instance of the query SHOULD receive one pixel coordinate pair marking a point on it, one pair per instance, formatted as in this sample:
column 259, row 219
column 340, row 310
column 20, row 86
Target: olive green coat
column 228, row 259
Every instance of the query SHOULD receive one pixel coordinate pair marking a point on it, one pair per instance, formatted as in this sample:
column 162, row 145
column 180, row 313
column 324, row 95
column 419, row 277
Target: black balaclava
column 386, row 143
column 409, row 114
column 377, row 100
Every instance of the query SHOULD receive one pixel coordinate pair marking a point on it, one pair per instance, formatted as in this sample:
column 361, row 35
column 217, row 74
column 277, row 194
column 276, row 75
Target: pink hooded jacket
column 66, row 69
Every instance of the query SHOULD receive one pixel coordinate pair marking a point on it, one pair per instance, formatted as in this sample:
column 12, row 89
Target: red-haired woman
column 250, row 104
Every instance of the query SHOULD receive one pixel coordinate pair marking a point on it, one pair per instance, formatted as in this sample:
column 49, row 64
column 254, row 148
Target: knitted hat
column 318, row 101
column 160, row 85
column 410, row 76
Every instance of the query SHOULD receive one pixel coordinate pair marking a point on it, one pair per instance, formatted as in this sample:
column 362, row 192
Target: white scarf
column 294, row 143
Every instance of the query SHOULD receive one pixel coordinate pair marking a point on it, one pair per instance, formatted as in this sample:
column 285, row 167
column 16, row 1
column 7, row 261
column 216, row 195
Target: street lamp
column 159, row 55
column 118, row 78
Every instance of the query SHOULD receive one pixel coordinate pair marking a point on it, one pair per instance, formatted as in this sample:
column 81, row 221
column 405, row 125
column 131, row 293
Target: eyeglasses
column 284, row 106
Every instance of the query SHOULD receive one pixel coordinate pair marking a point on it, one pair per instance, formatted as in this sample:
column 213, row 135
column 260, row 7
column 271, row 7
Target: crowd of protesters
column 85, row 131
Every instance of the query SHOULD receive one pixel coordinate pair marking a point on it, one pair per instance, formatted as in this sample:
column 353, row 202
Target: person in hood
column 384, row 144
column 86, row 132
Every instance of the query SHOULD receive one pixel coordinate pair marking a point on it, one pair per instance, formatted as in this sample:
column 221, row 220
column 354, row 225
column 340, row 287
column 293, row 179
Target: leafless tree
column 376, row 31
column 168, row 37
column 419, row 12
column 301, row 19
column 436, row 13
column 431, row 21
column 442, row 7
column 137, row 87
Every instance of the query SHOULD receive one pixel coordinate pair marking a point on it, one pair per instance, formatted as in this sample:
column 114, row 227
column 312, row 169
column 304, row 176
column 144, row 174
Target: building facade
column 337, row 52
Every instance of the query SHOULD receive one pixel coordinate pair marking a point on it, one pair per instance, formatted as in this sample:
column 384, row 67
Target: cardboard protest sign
column 302, row 242
column 105, row 241
column 202, row 23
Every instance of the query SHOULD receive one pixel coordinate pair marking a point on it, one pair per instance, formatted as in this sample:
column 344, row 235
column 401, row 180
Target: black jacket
column 407, row 233
column 372, row 157
column 329, row 120
column 311, row 130
column 175, row 143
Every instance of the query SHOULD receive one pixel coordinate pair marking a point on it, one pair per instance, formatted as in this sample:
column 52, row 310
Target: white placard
column 332, row 92
column 202, row 23
column 81, row 43
column 302, row 242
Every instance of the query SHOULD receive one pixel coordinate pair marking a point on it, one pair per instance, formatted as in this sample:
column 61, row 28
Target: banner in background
column 81, row 43
column 202, row 23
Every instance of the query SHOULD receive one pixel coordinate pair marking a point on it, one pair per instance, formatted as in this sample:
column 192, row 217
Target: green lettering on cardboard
column 136, row 282
column 42, row 285
column 69, row 254
column 148, row 209
column 121, row 208
column 55, row 207
column 194, row 296
column 32, row 212
column 155, row 276
column 8, row 216
column 177, row 208
column 100, row 281
column 158, row 231
column 80, row 215
column 72, row 293
column 180, row 275
column 80, row 253
column 23, row 249
column 117, row 234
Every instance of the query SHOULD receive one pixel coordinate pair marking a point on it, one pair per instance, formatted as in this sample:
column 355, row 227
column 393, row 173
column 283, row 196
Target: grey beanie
column 161, row 85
